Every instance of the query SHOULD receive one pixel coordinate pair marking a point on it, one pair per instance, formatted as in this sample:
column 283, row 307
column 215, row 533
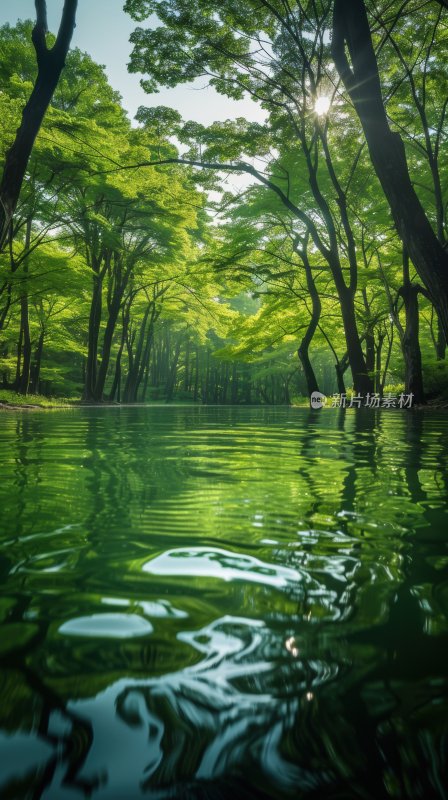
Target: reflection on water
column 220, row 602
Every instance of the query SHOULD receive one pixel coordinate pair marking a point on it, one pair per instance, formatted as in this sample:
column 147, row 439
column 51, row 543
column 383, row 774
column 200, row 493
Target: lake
column 213, row 602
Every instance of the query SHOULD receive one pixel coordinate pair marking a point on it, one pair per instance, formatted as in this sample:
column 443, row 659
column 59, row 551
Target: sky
column 103, row 31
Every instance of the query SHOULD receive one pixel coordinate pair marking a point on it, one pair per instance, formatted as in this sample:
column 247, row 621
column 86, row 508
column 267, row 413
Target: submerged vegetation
column 131, row 272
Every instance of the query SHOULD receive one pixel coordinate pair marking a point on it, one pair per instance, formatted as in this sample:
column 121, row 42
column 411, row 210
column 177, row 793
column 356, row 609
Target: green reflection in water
column 221, row 602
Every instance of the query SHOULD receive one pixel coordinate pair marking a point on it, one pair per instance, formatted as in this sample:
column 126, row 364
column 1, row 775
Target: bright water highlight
column 223, row 602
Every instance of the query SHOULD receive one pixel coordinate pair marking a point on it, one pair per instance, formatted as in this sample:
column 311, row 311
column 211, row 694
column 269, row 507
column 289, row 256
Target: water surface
column 223, row 602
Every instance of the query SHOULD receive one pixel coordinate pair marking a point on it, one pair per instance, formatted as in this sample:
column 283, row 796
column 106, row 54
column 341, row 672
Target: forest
column 223, row 400
column 133, row 270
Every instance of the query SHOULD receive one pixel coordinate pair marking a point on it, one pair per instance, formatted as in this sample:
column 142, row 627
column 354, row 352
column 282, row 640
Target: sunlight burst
column 322, row 105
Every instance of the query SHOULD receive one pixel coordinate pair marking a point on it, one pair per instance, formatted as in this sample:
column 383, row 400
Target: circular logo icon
column 318, row 400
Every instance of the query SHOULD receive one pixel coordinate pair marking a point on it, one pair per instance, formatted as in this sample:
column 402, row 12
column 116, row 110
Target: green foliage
column 436, row 378
column 119, row 277
column 15, row 399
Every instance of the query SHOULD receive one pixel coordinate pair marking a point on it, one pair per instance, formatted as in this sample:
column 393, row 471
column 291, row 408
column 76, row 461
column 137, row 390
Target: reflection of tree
column 267, row 699
column 388, row 702
column 27, row 452
column 39, row 703
column 361, row 725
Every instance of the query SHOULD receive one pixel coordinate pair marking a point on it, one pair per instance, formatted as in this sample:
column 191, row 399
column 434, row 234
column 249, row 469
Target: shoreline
column 431, row 406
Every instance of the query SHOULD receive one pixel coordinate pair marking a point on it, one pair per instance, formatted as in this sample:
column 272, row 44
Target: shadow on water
column 214, row 603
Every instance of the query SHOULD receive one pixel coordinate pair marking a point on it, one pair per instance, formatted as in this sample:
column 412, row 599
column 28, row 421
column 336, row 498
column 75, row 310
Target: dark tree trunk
column 308, row 371
column 35, row 367
column 171, row 383
column 146, row 380
column 234, row 388
column 370, row 352
column 362, row 382
column 132, row 380
column 286, row 392
column 50, row 64
column 16, row 383
column 205, row 386
column 387, row 152
column 378, row 358
column 116, row 383
column 106, row 350
column 440, row 342
column 340, row 377
column 7, row 304
column 93, row 334
column 247, row 386
column 410, row 343
column 225, row 383
column 24, row 378
column 303, row 351
column 187, row 366
column 196, row 377
column 383, row 377
column 144, row 365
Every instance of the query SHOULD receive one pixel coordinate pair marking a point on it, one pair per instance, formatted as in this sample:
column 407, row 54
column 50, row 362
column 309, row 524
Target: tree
column 125, row 289
column 228, row 44
column 362, row 82
column 50, row 63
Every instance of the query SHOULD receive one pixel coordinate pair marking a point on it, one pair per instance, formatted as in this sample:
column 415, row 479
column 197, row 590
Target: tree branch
column 66, row 28
column 241, row 166
column 40, row 30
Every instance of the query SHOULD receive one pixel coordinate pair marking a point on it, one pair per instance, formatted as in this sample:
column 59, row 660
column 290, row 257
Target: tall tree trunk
column 196, row 376
column 410, row 344
column 50, row 64
column 247, row 386
column 106, row 349
column 131, row 385
column 16, row 383
column 24, row 379
column 146, row 380
column 116, row 383
column 187, row 366
column 205, row 386
column 234, row 388
column 440, row 342
column 370, row 352
column 339, row 369
column 225, row 382
column 378, row 358
column 144, row 365
column 115, row 388
column 286, row 391
column 362, row 382
column 7, row 288
column 308, row 371
column 173, row 372
column 37, row 361
column 303, row 351
column 93, row 334
column 387, row 152
column 383, row 378
column 24, row 372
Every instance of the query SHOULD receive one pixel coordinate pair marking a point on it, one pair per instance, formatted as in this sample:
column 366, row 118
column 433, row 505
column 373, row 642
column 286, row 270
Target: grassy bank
column 14, row 400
